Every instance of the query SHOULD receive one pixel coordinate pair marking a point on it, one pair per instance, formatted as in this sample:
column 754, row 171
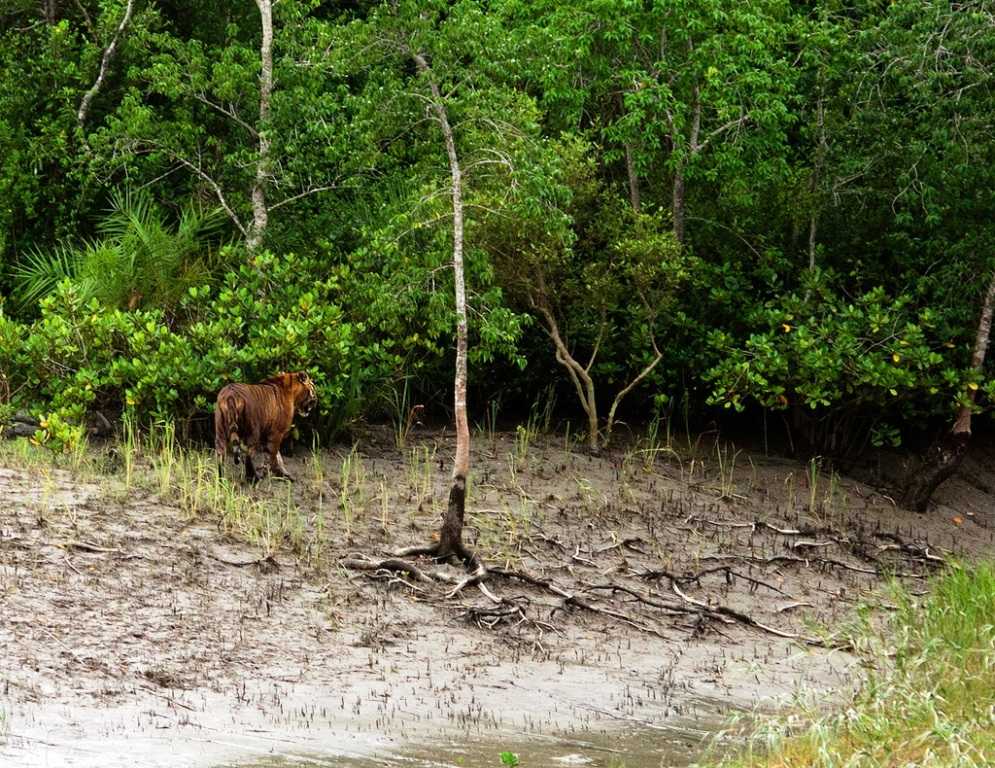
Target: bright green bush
column 269, row 315
column 873, row 354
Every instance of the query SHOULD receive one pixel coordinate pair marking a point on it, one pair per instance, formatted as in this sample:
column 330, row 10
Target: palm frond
column 40, row 271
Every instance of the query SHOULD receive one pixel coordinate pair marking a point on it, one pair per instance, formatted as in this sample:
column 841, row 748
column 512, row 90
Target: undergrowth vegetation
column 928, row 698
column 665, row 204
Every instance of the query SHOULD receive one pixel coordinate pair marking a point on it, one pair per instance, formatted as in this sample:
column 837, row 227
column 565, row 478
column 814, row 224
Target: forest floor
column 152, row 615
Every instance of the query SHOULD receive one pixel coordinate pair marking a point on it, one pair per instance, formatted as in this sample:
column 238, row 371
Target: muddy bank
column 135, row 633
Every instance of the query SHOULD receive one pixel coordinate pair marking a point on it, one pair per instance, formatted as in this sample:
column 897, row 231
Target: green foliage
column 267, row 316
column 928, row 698
column 138, row 258
column 819, row 350
column 855, row 210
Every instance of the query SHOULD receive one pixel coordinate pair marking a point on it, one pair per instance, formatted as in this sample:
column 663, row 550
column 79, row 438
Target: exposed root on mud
column 449, row 548
column 655, row 573
column 729, row 615
column 397, row 564
column 453, row 551
column 514, row 613
column 571, row 599
column 830, row 537
column 808, row 561
column 391, row 564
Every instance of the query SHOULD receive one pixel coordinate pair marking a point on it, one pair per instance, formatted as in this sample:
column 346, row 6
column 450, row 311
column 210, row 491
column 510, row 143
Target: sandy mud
column 645, row 595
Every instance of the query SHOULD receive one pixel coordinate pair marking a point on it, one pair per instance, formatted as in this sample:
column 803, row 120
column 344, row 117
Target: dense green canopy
column 774, row 204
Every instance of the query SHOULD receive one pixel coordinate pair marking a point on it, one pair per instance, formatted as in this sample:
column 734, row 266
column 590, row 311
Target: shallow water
column 646, row 746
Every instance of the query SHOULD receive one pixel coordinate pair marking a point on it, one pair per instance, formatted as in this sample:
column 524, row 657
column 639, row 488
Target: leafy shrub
column 138, row 257
column 269, row 315
column 823, row 350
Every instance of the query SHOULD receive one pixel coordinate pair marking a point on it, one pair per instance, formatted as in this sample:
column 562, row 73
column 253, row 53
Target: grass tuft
column 929, row 701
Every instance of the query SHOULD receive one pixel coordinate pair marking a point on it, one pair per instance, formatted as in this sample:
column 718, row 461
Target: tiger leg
column 251, row 475
column 276, row 460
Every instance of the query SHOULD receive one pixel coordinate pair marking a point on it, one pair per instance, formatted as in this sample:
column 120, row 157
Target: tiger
column 257, row 416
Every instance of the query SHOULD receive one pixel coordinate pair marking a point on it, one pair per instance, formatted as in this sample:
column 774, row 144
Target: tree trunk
column 579, row 375
column 693, row 148
column 946, row 455
column 260, row 213
column 50, row 10
column 678, row 203
column 630, row 169
column 657, row 357
column 105, row 60
column 451, row 534
column 820, row 159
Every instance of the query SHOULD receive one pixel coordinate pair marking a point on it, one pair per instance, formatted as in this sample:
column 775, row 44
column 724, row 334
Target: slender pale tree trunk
column 820, row 159
column 260, row 213
column 610, row 423
column 946, row 455
column 105, row 61
column 693, row 148
column 451, row 534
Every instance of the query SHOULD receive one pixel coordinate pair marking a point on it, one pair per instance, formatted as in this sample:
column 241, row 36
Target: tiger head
column 305, row 395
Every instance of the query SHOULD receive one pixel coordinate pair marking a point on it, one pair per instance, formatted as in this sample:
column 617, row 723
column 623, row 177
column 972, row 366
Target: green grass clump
column 930, row 700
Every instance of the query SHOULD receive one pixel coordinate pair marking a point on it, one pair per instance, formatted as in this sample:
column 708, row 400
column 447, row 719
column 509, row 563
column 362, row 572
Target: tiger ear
column 302, row 377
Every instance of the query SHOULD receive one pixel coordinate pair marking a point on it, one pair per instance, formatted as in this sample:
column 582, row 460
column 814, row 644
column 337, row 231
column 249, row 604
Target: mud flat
column 134, row 632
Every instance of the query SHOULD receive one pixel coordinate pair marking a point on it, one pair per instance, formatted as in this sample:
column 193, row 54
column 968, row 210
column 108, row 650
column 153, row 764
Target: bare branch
column 597, row 342
column 229, row 112
column 306, row 193
column 214, row 186
column 744, row 118
column 632, row 384
column 105, row 61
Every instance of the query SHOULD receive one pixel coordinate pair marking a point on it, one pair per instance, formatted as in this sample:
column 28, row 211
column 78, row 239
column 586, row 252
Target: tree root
column 916, row 551
column 729, row 615
column 477, row 576
column 457, row 552
column 571, row 599
column 653, row 574
column 807, row 561
column 363, row 563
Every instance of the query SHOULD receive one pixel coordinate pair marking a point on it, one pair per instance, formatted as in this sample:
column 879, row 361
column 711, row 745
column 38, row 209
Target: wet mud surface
column 133, row 633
